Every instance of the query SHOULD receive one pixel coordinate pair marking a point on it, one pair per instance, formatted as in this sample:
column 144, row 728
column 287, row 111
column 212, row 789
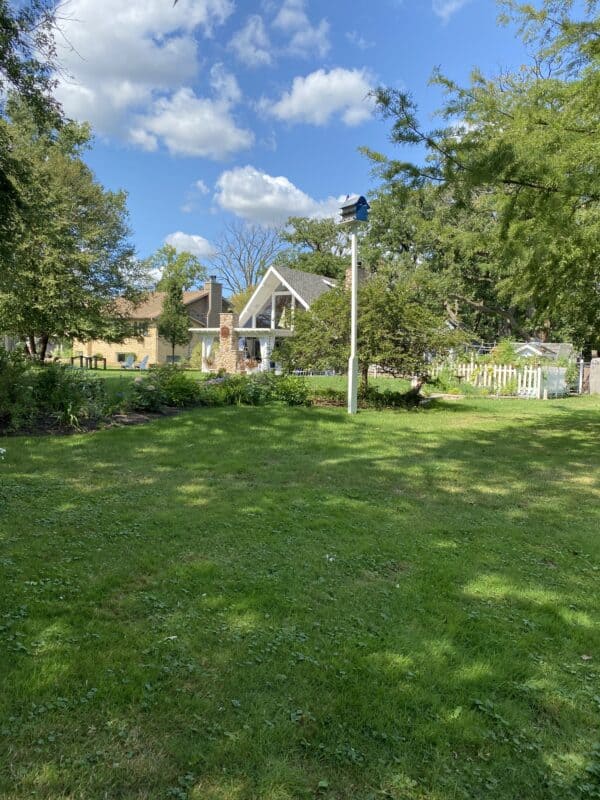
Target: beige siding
column 143, row 346
column 156, row 348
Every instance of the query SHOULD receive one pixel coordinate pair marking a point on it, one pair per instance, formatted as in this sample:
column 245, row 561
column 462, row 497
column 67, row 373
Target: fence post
column 539, row 383
column 580, row 381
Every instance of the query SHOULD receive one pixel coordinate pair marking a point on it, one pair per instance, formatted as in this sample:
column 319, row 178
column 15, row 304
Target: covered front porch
column 239, row 349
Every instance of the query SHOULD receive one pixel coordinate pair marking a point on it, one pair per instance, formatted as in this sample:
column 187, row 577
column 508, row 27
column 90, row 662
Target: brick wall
column 228, row 355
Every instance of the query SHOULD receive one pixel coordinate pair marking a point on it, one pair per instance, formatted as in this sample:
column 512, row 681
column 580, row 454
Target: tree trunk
column 364, row 378
column 31, row 346
column 172, row 352
column 43, row 346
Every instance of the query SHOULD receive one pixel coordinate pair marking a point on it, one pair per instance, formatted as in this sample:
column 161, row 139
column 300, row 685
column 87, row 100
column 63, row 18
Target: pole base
column 352, row 385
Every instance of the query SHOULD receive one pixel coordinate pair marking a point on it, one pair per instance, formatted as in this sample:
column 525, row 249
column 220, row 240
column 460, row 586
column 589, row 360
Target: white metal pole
column 353, row 360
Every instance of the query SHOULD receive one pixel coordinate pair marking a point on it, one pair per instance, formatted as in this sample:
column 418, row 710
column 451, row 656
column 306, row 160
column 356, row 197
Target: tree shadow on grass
column 242, row 603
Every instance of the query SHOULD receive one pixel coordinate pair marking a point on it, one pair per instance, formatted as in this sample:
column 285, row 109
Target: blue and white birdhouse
column 355, row 209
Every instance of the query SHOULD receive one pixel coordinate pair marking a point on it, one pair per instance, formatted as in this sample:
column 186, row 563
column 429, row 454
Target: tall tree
column 174, row 320
column 398, row 329
column 27, row 53
column 71, row 258
column 185, row 267
column 243, row 254
column 26, row 71
column 317, row 245
column 457, row 249
column 530, row 142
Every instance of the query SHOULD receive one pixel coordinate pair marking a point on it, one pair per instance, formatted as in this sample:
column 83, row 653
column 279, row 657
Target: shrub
column 372, row 397
column 32, row 395
column 292, row 390
column 68, row 396
column 254, row 390
column 166, row 385
column 16, row 400
column 144, row 396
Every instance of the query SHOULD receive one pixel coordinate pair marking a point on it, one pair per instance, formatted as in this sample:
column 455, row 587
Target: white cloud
column 193, row 126
column 251, row 44
column 321, row 95
column 265, row 199
column 224, row 84
column 200, row 186
column 355, row 38
column 190, row 243
column 305, row 38
column 446, row 8
column 116, row 56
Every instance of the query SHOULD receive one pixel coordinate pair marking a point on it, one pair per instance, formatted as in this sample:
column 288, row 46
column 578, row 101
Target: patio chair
column 128, row 363
column 143, row 363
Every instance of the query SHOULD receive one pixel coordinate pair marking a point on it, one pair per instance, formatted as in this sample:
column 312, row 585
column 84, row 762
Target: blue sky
column 217, row 110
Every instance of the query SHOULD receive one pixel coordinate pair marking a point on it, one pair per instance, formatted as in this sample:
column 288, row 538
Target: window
column 173, row 359
column 122, row 357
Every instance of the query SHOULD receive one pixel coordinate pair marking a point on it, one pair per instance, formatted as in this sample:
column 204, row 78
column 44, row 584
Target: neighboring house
column 248, row 341
column 204, row 307
column 547, row 350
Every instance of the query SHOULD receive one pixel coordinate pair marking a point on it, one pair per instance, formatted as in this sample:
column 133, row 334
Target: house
column 552, row 351
column 204, row 307
column 248, row 341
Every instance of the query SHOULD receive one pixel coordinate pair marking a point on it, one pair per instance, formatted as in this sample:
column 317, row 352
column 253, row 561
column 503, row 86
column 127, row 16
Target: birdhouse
column 355, row 209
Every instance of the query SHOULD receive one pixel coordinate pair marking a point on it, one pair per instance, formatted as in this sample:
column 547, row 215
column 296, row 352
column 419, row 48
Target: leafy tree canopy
column 174, row 320
column 70, row 259
column 398, row 329
column 185, row 268
column 526, row 145
column 317, row 245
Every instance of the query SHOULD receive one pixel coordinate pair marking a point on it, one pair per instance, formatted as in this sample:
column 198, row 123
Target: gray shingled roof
column 306, row 285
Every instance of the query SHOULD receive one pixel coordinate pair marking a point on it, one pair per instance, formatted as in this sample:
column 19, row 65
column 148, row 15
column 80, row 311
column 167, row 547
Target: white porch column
column 207, row 346
column 266, row 348
column 273, row 301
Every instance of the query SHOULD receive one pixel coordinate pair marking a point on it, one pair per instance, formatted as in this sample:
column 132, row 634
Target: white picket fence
column 523, row 381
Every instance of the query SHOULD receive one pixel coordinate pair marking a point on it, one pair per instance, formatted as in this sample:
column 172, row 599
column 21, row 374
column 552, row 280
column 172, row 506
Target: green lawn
column 274, row 603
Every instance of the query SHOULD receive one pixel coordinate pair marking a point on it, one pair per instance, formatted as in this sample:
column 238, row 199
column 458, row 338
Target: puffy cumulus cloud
column 304, row 37
column 190, row 243
column 192, row 126
column 115, row 56
column 265, row 199
column 446, row 8
column 251, row 43
column 316, row 98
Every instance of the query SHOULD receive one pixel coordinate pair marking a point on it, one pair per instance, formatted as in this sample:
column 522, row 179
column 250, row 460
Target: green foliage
column 255, row 390
column 174, row 320
column 504, row 353
column 196, row 357
column 167, row 385
column 32, row 396
column 70, row 258
column 525, row 151
column 318, row 246
column 27, row 54
column 398, row 327
column 184, row 268
column 374, row 397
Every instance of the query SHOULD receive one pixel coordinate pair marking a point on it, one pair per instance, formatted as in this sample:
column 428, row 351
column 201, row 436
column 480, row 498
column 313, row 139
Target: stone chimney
column 215, row 301
column 228, row 354
column 362, row 276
